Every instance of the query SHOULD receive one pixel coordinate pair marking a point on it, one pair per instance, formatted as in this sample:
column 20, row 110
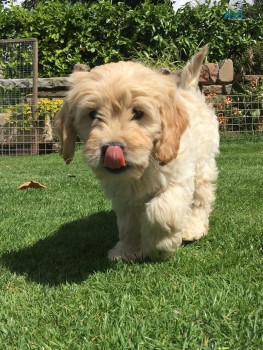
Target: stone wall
column 219, row 78
column 216, row 78
column 47, row 87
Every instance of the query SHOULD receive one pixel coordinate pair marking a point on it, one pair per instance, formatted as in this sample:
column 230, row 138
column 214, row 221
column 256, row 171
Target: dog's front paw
column 122, row 251
column 196, row 228
column 113, row 256
column 189, row 236
column 193, row 234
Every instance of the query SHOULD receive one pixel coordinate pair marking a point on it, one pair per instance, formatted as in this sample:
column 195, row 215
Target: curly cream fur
column 167, row 193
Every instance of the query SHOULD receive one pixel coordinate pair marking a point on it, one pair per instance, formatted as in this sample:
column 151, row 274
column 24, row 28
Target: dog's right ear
column 64, row 120
column 66, row 132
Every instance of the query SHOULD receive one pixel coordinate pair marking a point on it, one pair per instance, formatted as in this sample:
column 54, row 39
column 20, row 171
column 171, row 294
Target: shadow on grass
column 70, row 255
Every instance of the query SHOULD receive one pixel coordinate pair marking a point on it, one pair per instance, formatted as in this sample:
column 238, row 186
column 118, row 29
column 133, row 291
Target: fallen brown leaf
column 31, row 184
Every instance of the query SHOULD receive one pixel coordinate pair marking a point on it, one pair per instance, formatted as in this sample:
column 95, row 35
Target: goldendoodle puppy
column 152, row 144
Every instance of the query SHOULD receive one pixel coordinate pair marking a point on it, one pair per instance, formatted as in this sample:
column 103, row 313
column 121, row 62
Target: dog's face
column 127, row 116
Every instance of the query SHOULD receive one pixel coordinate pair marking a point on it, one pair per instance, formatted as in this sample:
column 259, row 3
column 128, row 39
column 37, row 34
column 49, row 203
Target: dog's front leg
column 129, row 245
column 162, row 223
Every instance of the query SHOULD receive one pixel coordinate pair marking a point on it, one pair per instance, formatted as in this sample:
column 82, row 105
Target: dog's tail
column 189, row 76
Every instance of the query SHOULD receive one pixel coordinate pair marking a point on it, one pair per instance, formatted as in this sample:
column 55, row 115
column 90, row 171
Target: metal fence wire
column 26, row 121
column 238, row 114
column 19, row 120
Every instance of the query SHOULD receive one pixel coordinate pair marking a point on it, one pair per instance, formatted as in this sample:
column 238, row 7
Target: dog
column 152, row 143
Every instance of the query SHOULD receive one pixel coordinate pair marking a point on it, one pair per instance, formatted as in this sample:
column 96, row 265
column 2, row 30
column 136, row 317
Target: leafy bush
column 99, row 32
column 250, row 61
column 21, row 117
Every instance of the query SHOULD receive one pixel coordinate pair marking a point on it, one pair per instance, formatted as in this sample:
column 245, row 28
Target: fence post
column 35, row 94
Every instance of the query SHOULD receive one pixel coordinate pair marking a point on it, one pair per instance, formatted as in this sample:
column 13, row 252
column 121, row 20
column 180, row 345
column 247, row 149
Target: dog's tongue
column 114, row 158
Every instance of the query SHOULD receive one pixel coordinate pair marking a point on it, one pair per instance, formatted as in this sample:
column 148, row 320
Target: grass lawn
column 58, row 291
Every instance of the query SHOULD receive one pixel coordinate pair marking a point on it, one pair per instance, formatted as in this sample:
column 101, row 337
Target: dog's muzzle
column 113, row 157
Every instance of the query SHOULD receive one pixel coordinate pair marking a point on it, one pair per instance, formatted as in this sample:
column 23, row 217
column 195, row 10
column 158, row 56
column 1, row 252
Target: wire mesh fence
column 238, row 116
column 26, row 121
column 18, row 97
column 24, row 135
column 239, row 113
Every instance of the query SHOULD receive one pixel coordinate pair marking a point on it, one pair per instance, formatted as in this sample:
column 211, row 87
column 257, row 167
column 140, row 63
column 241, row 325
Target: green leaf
column 238, row 88
column 256, row 113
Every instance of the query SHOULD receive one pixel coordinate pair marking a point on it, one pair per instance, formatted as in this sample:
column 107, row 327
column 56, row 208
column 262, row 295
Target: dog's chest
column 137, row 192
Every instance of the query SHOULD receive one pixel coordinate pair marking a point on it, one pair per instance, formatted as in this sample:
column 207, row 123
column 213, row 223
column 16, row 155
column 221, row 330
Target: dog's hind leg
column 203, row 200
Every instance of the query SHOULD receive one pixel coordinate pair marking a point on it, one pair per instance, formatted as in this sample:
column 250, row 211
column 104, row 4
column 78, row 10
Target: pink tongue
column 114, row 158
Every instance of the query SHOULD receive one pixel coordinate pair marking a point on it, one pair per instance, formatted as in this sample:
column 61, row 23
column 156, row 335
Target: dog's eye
column 137, row 114
column 93, row 115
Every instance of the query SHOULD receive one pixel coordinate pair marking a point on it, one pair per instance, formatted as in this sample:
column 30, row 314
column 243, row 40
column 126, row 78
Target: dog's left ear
column 66, row 132
column 189, row 76
column 174, row 121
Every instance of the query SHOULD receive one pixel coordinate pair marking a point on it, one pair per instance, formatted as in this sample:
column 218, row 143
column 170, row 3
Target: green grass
column 58, row 291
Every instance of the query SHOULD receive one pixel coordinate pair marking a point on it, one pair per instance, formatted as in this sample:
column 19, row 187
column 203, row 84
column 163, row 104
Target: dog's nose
column 113, row 158
column 108, row 144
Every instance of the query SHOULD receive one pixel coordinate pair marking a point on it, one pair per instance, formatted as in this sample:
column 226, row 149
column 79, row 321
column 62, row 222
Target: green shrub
column 251, row 60
column 100, row 32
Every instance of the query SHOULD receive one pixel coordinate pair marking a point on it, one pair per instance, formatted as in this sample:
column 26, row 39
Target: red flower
column 222, row 120
column 227, row 100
